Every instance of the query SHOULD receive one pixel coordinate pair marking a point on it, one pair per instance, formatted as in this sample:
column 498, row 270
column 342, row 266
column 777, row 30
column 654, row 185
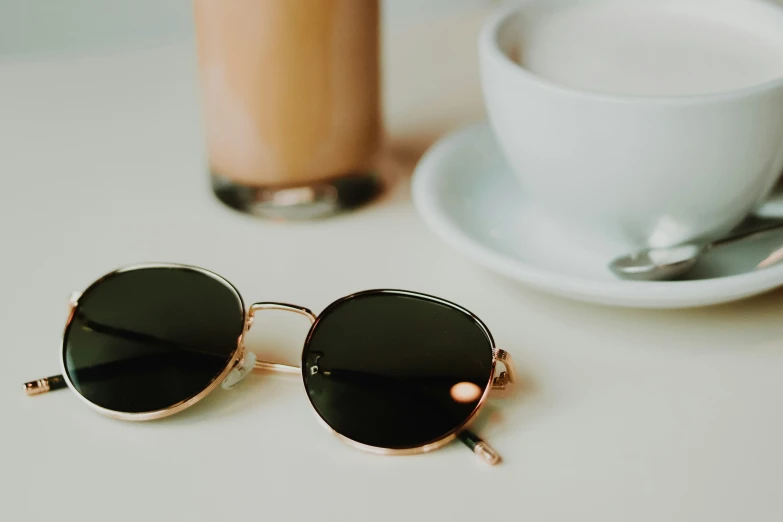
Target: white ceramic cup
column 637, row 170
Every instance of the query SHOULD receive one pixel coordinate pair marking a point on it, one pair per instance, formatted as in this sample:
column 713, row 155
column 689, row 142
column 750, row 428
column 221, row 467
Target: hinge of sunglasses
column 55, row 382
column 506, row 376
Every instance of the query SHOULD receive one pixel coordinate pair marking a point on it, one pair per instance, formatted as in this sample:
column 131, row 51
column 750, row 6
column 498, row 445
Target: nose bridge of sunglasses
column 285, row 307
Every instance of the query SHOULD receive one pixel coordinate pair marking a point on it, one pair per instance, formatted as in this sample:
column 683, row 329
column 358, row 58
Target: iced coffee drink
column 291, row 97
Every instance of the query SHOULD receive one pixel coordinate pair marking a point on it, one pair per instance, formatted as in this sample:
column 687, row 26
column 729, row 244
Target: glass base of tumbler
column 299, row 202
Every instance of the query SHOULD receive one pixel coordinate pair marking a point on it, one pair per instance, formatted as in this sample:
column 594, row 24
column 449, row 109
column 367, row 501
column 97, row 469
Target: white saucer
column 467, row 195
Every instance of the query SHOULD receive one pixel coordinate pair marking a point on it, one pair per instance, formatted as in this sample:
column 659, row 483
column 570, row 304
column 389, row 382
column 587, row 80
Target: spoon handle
column 745, row 234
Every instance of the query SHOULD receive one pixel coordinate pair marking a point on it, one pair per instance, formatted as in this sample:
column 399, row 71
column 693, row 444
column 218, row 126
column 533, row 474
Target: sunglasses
column 388, row 371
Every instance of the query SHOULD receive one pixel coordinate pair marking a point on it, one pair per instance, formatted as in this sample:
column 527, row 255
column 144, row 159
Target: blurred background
column 414, row 33
column 29, row 27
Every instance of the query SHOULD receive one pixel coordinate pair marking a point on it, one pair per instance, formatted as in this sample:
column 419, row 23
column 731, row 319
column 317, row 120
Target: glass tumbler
column 291, row 96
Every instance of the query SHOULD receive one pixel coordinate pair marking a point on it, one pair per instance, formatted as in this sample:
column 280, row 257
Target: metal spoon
column 660, row 264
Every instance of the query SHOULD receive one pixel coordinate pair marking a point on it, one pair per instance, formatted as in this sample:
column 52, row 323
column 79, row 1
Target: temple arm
column 47, row 384
column 478, row 446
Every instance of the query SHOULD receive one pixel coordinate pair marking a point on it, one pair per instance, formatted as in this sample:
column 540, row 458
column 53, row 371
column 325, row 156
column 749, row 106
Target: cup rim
column 489, row 50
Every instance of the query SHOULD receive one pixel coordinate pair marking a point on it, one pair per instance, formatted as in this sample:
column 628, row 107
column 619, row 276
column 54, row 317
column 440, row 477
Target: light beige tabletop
column 618, row 416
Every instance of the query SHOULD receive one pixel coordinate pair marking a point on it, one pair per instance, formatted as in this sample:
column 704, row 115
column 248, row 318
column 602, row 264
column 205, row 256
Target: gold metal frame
column 482, row 448
column 479, row 447
column 236, row 356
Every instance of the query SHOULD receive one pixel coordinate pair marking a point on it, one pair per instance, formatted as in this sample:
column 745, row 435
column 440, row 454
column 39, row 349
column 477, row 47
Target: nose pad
column 240, row 371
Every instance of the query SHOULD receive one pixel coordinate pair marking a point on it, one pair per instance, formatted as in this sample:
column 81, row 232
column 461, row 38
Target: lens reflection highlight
column 464, row 392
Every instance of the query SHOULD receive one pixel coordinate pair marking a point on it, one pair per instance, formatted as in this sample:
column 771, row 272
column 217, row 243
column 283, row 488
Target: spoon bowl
column 664, row 264
column 658, row 264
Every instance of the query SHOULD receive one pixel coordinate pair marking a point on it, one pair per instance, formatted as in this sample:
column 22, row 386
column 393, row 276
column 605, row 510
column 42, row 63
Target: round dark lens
column 395, row 370
column 146, row 339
